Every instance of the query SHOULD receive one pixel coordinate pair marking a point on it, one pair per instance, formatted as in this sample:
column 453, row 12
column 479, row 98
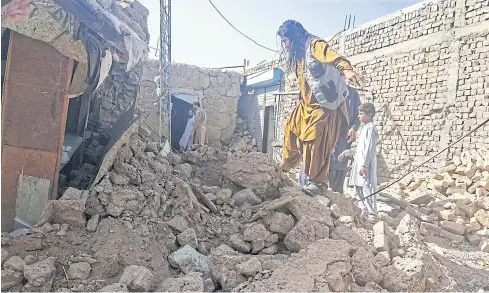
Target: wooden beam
column 101, row 27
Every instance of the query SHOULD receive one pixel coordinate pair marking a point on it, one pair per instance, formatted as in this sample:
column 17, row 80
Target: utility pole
column 164, row 91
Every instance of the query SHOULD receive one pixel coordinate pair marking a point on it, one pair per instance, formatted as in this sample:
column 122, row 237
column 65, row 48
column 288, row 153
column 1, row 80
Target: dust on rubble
column 228, row 219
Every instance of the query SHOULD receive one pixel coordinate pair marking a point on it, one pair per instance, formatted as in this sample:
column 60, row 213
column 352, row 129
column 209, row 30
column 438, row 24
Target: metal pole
column 164, row 93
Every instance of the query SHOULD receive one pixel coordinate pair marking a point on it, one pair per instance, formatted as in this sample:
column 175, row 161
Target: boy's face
column 364, row 117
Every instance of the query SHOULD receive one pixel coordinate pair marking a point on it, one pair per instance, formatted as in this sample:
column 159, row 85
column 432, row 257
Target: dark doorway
column 5, row 45
column 179, row 118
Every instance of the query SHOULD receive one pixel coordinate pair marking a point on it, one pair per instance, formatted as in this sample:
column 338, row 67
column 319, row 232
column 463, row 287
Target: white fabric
column 105, row 66
column 365, row 155
column 184, row 140
column 324, row 80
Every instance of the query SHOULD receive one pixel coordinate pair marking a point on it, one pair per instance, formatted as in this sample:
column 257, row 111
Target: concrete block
column 429, row 228
column 381, row 239
column 452, row 227
column 452, row 237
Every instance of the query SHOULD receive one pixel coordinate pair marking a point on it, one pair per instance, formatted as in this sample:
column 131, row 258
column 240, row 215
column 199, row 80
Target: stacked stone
column 431, row 18
column 454, row 202
column 472, row 101
column 477, row 11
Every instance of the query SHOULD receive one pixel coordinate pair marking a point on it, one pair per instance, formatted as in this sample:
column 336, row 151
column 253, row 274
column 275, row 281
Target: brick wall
column 427, row 68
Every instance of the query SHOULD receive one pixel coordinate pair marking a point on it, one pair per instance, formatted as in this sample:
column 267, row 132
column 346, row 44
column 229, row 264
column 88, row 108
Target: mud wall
column 217, row 91
column 425, row 67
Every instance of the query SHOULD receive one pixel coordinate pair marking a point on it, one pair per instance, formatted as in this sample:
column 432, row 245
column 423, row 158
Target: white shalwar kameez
column 365, row 155
column 184, row 140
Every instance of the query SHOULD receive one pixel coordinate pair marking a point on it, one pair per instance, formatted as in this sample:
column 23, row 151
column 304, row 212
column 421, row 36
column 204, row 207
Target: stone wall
column 218, row 92
column 119, row 90
column 426, row 67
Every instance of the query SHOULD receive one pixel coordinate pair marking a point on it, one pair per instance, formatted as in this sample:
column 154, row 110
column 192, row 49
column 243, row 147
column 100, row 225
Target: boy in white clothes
column 364, row 169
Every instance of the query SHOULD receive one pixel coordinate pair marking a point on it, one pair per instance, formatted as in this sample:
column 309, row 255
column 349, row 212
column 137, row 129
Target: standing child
column 364, row 169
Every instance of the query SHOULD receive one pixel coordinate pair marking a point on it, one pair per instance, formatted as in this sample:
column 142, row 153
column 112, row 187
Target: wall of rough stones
column 217, row 91
column 426, row 67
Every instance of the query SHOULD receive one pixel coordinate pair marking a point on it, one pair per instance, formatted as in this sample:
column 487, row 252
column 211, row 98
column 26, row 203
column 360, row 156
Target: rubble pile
column 212, row 220
column 242, row 140
column 452, row 203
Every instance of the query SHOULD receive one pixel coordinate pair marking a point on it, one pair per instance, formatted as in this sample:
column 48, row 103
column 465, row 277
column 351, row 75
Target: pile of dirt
column 212, row 219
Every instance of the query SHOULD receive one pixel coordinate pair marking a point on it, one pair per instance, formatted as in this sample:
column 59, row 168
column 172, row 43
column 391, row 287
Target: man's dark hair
column 297, row 35
column 197, row 104
column 367, row 108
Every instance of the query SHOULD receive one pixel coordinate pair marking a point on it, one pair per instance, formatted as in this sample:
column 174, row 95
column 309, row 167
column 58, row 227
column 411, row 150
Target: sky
column 200, row 36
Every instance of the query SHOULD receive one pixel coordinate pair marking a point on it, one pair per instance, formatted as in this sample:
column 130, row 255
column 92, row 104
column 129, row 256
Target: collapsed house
column 70, row 77
column 139, row 218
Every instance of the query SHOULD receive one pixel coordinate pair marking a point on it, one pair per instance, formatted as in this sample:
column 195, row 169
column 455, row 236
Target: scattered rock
column 253, row 171
column 192, row 282
column 303, row 205
column 255, row 232
column 41, row 274
column 306, row 232
column 237, row 243
column 64, row 212
column 27, row 243
column 482, row 217
column 223, row 261
column 246, row 196
column 15, row 263
column 137, row 278
column 484, row 245
column 381, row 239
column 188, row 237
column 93, row 223
column 30, row 259
column 448, row 215
column 224, row 196
column 187, row 259
column 116, row 287
column 185, row 170
column 79, row 271
column 473, row 239
column 250, row 267
column 452, row 237
column 428, row 228
column 329, row 260
column 11, row 278
column 364, row 268
column 281, row 223
column 178, row 223
column 273, row 249
column 345, row 220
column 452, row 227
column 63, row 230
column 5, row 255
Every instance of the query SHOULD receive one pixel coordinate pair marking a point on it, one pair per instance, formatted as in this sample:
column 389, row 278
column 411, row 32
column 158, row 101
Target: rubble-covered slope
column 164, row 223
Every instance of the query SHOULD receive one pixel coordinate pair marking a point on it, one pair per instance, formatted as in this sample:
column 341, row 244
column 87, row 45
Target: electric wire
column 244, row 35
column 431, row 158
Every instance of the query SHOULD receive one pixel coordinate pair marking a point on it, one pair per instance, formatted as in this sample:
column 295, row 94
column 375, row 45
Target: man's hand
column 351, row 135
column 363, row 171
column 354, row 77
column 341, row 156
